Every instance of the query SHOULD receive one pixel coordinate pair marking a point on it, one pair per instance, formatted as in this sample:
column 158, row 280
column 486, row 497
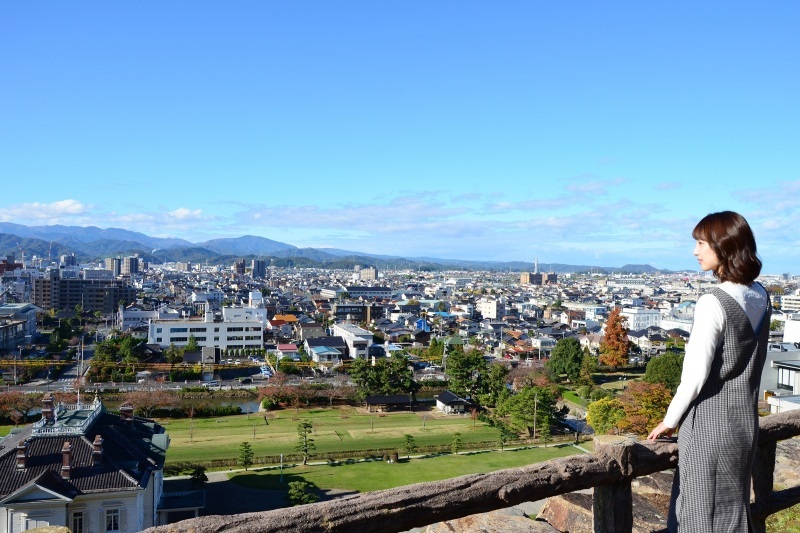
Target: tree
column 305, row 443
column 665, row 369
column 246, row 455
column 588, row 367
column 173, row 354
column 605, row 415
column 191, row 344
column 145, row 402
column 390, row 375
column 566, row 358
column 495, row 385
column 530, row 407
column 409, row 445
column 614, row 348
column 505, row 435
column 456, row 445
column 198, row 477
column 300, row 493
column 645, row 405
column 775, row 325
column 466, row 371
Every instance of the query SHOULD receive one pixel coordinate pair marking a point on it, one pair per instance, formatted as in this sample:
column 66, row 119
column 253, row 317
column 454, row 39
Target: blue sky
column 583, row 133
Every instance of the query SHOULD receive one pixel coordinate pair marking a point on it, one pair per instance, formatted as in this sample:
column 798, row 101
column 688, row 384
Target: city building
column 641, row 318
column 258, row 268
column 358, row 340
column 53, row 292
column 368, row 273
column 233, row 328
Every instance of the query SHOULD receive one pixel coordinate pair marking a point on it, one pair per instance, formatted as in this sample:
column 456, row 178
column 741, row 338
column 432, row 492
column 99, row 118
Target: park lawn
column 377, row 475
column 573, row 397
column 5, row 430
column 219, row 438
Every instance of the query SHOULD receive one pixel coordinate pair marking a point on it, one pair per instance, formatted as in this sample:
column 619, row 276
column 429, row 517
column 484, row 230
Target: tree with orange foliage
column 645, row 405
column 614, row 348
column 145, row 402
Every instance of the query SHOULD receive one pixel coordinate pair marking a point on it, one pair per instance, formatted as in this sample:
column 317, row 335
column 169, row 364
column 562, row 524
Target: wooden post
column 763, row 474
column 612, row 508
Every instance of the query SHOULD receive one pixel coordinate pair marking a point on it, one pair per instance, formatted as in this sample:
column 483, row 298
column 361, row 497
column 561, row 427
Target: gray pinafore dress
column 718, row 433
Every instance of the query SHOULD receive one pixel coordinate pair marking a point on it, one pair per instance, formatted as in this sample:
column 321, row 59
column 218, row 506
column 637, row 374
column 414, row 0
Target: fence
column 610, row 470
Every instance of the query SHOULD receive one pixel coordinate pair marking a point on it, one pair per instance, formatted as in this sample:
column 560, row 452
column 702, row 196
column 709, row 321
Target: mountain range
column 92, row 244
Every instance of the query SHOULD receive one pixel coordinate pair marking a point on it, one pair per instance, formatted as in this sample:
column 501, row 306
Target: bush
column 584, row 391
column 600, row 393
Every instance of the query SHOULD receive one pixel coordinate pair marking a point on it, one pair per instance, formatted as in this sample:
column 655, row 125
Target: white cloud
column 183, row 213
column 60, row 212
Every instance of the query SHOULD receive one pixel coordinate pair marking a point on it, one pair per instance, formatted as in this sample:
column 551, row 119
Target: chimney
column 22, row 455
column 126, row 412
column 97, row 451
column 66, row 460
column 48, row 413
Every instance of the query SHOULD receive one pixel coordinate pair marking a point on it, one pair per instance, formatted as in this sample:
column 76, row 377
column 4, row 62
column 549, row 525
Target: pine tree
column 409, row 446
column 305, row 443
column 245, row 454
column 456, row 445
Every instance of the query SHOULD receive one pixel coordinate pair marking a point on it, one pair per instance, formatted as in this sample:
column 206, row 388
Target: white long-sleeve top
column 707, row 332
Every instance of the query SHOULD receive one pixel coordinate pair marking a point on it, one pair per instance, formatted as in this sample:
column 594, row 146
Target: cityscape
column 249, row 325
column 392, row 267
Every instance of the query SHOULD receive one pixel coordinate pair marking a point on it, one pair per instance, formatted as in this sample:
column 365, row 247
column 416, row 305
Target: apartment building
column 53, row 292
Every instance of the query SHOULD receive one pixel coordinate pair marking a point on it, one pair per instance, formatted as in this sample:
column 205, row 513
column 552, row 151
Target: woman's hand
column 659, row 430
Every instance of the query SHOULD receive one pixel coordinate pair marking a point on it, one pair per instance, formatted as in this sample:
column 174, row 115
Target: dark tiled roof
column 131, row 450
column 449, row 398
column 387, row 400
column 44, row 455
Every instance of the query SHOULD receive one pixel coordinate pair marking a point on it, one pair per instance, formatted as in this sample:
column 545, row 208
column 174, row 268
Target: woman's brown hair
column 730, row 236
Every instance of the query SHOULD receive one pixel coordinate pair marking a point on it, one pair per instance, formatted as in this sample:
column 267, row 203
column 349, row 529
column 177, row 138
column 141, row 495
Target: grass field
column 378, row 475
column 335, row 430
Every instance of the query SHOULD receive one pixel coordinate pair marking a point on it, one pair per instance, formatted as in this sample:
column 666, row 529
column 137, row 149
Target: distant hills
column 92, row 244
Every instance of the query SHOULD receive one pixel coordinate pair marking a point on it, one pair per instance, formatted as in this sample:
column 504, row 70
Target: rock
column 573, row 512
column 569, row 512
column 503, row 521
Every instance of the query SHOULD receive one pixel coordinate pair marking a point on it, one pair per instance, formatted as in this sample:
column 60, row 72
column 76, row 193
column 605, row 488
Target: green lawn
column 335, row 430
column 378, row 475
column 573, row 397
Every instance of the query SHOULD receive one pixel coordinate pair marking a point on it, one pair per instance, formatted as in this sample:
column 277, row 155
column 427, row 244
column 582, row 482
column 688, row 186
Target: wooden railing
column 610, row 470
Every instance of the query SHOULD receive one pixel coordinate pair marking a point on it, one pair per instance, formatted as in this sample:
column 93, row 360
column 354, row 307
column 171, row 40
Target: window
column 158, row 340
column 112, row 520
column 785, row 379
column 158, row 330
column 77, row 522
column 178, row 330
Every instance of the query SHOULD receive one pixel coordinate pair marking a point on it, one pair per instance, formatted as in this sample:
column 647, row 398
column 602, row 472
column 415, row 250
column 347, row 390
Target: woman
column 716, row 402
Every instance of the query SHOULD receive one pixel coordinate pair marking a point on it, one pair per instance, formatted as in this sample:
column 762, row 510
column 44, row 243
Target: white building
column 490, row 308
column 790, row 302
column 358, row 340
column 237, row 328
column 791, row 329
column 641, row 318
column 97, row 273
